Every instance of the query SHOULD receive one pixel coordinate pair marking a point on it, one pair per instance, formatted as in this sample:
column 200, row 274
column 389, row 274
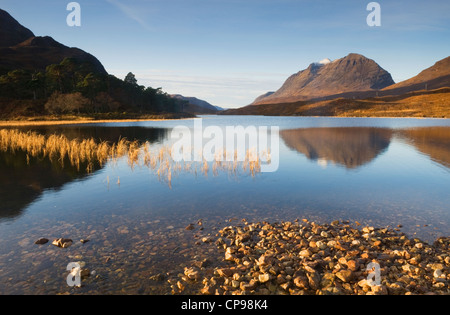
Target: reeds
column 89, row 152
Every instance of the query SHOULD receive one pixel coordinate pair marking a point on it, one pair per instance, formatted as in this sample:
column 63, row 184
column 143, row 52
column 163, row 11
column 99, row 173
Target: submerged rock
column 62, row 242
column 41, row 241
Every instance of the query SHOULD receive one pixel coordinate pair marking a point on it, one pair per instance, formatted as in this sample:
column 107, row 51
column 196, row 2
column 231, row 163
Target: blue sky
column 228, row 52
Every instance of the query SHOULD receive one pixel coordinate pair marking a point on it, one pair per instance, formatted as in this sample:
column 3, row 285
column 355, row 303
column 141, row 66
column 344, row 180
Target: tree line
column 74, row 87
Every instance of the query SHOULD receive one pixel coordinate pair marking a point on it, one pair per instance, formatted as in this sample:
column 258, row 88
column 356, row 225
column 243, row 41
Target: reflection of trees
column 432, row 141
column 350, row 146
column 25, row 177
column 110, row 134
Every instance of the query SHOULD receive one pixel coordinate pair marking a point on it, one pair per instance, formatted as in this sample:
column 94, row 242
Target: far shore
column 73, row 120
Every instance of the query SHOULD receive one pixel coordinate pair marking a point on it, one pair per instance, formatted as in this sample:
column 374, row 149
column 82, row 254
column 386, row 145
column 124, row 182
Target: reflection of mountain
column 24, row 179
column 350, row 147
column 432, row 141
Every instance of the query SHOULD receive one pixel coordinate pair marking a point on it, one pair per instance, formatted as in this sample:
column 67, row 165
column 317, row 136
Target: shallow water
column 380, row 172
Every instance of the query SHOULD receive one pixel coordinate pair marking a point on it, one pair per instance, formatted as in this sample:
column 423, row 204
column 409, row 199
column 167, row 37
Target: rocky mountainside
column 21, row 49
column 434, row 77
column 353, row 73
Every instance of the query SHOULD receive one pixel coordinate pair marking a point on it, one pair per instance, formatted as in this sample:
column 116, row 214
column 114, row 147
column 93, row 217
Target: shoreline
column 305, row 258
column 24, row 123
column 86, row 121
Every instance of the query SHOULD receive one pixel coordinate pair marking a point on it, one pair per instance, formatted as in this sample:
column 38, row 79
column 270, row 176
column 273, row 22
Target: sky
column 228, row 52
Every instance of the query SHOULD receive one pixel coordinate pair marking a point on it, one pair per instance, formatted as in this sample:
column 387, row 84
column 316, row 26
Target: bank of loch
column 305, row 258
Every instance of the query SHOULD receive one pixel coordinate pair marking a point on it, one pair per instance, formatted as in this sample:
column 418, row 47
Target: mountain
column 321, row 80
column 11, row 32
column 21, row 49
column 196, row 106
column 434, row 77
column 262, row 97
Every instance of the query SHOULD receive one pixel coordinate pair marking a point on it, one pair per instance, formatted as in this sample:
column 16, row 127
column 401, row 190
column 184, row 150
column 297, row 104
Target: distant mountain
column 196, row 106
column 353, row 73
column 262, row 97
column 21, row 49
column 435, row 77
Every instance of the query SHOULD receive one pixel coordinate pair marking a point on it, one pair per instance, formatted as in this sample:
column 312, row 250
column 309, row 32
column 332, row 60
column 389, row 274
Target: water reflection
column 348, row 147
column 109, row 134
column 433, row 142
column 25, row 178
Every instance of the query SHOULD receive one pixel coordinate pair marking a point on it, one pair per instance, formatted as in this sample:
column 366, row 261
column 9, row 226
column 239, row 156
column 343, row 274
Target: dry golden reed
column 90, row 152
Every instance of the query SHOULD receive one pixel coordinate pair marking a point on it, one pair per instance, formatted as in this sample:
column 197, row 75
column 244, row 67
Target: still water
column 379, row 172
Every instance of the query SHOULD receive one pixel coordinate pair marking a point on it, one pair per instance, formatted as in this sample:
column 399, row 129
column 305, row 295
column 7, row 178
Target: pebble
column 303, row 257
column 62, row 242
column 41, row 241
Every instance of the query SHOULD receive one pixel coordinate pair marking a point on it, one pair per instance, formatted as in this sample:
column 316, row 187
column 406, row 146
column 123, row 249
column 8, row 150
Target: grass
column 432, row 104
column 91, row 119
column 78, row 152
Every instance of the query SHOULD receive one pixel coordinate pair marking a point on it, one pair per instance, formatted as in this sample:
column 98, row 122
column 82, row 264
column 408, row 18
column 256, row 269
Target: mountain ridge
column 352, row 73
column 21, row 49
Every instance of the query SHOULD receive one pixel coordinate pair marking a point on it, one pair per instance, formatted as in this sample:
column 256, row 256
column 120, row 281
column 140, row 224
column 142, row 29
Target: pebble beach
column 305, row 258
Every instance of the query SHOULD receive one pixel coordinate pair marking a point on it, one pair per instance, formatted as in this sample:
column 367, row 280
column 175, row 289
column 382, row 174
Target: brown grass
column 90, row 152
column 433, row 104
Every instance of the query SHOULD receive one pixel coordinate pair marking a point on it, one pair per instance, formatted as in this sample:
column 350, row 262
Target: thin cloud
column 131, row 13
column 226, row 91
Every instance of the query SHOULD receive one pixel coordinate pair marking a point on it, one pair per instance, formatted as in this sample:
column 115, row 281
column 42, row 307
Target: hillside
column 41, row 78
column 424, row 95
column 21, row 49
column 353, row 73
column 194, row 105
column 415, row 104
column 434, row 77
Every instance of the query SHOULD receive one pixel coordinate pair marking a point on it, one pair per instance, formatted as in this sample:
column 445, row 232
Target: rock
column 84, row 241
column 314, row 280
column 85, row 273
column 203, row 263
column 285, row 286
column 263, row 278
column 62, row 242
column 207, row 290
column 192, row 273
column 352, row 265
column 287, row 258
column 305, row 253
column 327, row 280
column 379, row 290
column 190, row 227
column 207, row 239
column 158, row 277
column 225, row 272
column 250, row 286
column 41, row 241
column 265, row 260
column 180, row 286
column 301, row 283
column 229, row 257
column 345, row 275
column 438, row 274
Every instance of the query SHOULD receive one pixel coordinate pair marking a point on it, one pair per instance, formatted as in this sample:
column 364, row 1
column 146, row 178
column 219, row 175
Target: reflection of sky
column 398, row 181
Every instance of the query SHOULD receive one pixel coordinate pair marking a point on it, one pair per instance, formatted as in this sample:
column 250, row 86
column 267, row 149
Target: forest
column 73, row 87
